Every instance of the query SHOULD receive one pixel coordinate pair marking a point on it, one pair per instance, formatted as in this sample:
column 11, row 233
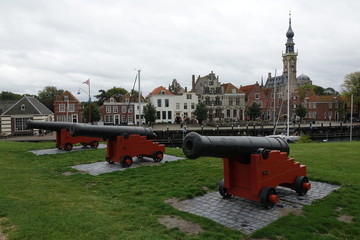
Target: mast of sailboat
column 139, row 99
column 274, row 99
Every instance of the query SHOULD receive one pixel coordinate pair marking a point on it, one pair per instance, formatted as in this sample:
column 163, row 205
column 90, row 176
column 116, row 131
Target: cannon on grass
column 63, row 138
column 253, row 166
column 124, row 142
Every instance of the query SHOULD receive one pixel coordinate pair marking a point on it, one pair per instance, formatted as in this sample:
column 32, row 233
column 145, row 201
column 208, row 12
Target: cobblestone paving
column 56, row 151
column 248, row 216
column 105, row 167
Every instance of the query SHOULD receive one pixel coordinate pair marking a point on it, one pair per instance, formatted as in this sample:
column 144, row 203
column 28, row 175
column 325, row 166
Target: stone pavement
column 248, row 216
column 105, row 167
column 56, row 151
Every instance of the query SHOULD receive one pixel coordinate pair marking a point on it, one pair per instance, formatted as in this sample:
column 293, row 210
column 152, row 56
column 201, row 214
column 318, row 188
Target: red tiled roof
column 228, row 87
column 157, row 91
column 244, row 89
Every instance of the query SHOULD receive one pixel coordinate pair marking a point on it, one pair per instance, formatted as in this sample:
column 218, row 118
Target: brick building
column 67, row 108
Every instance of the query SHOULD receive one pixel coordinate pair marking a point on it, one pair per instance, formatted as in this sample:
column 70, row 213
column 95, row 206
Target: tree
column 149, row 113
column 94, row 112
column 201, row 112
column 318, row 90
column 114, row 92
column 300, row 111
column 331, row 92
column 9, row 96
column 48, row 95
column 351, row 86
column 175, row 87
column 254, row 111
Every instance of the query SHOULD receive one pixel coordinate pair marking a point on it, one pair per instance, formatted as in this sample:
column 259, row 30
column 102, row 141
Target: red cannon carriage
column 124, row 142
column 63, row 138
column 253, row 166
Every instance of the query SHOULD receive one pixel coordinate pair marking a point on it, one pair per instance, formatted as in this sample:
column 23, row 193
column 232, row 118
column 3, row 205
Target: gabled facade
column 67, row 108
column 261, row 96
column 126, row 111
column 234, row 103
column 210, row 92
column 13, row 119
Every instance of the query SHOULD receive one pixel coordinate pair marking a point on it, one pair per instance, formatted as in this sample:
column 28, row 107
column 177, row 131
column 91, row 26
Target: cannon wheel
column 222, row 190
column 68, row 147
column 108, row 160
column 299, row 185
column 158, row 156
column 268, row 197
column 126, row 161
column 94, row 144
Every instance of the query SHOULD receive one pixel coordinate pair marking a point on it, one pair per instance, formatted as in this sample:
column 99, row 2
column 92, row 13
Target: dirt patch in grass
column 345, row 218
column 2, row 237
column 295, row 211
column 182, row 224
column 175, row 203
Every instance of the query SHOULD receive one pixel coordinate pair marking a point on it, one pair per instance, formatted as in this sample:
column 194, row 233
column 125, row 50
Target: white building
column 170, row 107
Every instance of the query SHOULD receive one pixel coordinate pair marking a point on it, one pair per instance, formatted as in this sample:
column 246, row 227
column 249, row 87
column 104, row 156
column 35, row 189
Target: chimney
column 186, row 88
column 193, row 83
column 269, row 75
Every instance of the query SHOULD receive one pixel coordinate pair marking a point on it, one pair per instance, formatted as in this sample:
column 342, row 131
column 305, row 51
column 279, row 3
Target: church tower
column 290, row 59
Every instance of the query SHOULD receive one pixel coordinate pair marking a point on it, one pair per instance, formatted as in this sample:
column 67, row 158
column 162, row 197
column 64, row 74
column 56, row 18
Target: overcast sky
column 62, row 43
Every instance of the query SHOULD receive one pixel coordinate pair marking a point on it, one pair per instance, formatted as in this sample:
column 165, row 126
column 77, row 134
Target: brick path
column 248, row 216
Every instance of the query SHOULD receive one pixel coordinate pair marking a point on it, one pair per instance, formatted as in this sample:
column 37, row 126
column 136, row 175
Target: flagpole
column 139, row 99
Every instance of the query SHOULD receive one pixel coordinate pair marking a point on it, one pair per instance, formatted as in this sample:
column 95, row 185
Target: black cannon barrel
column 53, row 126
column 106, row 132
column 235, row 147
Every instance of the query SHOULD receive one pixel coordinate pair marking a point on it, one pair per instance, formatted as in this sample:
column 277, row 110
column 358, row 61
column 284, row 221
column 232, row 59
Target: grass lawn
column 37, row 201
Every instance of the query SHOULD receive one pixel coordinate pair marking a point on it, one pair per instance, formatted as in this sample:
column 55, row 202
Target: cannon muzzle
column 52, row 126
column 107, row 132
column 233, row 147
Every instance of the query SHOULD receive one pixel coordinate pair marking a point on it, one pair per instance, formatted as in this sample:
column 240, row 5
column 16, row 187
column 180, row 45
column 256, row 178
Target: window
column 127, row 100
column 130, row 118
column 130, row 109
column 177, row 105
column 20, row 124
column 108, row 109
column 237, row 101
column 185, row 105
column 115, row 109
column 228, row 113
column 169, row 114
column 272, row 104
column 66, row 97
column 166, row 102
column 230, row 101
column 111, row 100
column 330, row 105
column 109, row 119
column 188, row 96
column 22, row 107
column 123, row 109
column 74, row 118
column 162, row 92
column 71, row 108
column 158, row 115
column 257, row 95
column 193, row 106
column 159, row 102
column 234, row 113
column 61, row 107
column 314, row 105
column 163, row 114
column 123, row 118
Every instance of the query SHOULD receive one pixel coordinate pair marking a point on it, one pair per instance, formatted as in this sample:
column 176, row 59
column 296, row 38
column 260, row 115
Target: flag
column 87, row 82
column 78, row 92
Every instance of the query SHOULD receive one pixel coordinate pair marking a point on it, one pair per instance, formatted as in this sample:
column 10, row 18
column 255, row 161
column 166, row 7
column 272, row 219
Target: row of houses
column 225, row 102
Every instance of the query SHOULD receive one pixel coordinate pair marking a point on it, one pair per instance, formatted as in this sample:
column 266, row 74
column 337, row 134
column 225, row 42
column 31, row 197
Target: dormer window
column 127, row 100
column 111, row 100
column 22, row 107
column 162, row 92
column 66, row 97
